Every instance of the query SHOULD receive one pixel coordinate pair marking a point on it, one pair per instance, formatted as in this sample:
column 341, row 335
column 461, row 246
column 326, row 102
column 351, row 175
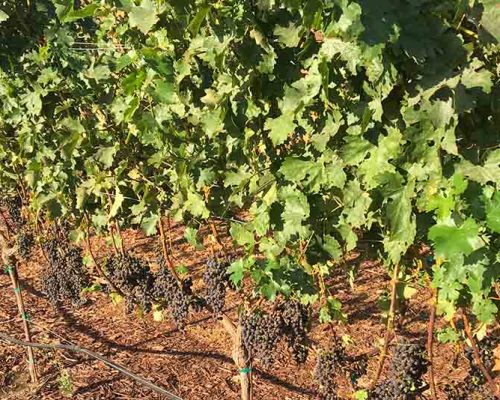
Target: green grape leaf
column 166, row 92
column 191, row 235
column 379, row 161
column 288, row 36
column 450, row 240
column 332, row 246
column 195, row 205
column 448, row 335
column 332, row 311
column 473, row 77
column 106, row 155
column 401, row 224
column 296, row 210
column 242, row 235
column 295, row 169
column 490, row 19
column 280, row 128
column 488, row 172
column 347, row 51
column 149, row 224
column 75, row 15
column 195, row 24
column 484, row 309
column 238, row 268
column 117, row 203
column 493, row 212
column 361, row 394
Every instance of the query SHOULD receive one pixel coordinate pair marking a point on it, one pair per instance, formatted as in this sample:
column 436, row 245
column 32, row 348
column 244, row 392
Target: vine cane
column 390, row 326
column 477, row 357
column 167, row 256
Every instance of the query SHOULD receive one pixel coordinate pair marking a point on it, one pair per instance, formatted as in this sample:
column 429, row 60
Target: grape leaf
column 143, row 17
column 150, row 223
column 3, row 16
column 288, row 36
column 280, row 128
column 401, row 223
column 493, row 212
column 491, row 18
column 450, row 240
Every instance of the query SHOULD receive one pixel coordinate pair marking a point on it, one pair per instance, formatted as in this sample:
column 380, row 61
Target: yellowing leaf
column 144, row 16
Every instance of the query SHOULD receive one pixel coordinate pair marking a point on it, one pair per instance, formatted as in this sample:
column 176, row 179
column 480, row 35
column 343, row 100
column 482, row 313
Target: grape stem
column 118, row 230
column 169, row 234
column 477, row 356
column 113, row 240
column 217, row 238
column 166, row 255
column 38, row 236
column 389, row 327
column 97, row 265
column 430, row 348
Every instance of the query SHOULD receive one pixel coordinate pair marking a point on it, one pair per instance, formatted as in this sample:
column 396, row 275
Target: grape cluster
column 466, row 390
column 216, row 281
column 178, row 297
column 133, row 278
column 486, row 348
column 390, row 389
column 472, row 387
column 407, row 369
column 334, row 360
column 326, row 365
column 409, row 361
column 262, row 331
column 25, row 241
column 14, row 206
column 295, row 316
column 357, row 367
column 65, row 277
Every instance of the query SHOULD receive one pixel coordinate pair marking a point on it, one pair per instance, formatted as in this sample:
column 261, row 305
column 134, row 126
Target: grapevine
column 304, row 128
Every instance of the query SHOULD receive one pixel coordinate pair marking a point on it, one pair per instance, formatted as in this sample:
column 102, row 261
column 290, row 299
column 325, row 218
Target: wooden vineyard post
column 10, row 267
column 240, row 357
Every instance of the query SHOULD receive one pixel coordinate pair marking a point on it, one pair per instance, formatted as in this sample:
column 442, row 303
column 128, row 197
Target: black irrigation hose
column 109, row 363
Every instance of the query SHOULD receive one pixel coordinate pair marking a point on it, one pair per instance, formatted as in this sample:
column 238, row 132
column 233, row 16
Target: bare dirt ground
column 195, row 364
